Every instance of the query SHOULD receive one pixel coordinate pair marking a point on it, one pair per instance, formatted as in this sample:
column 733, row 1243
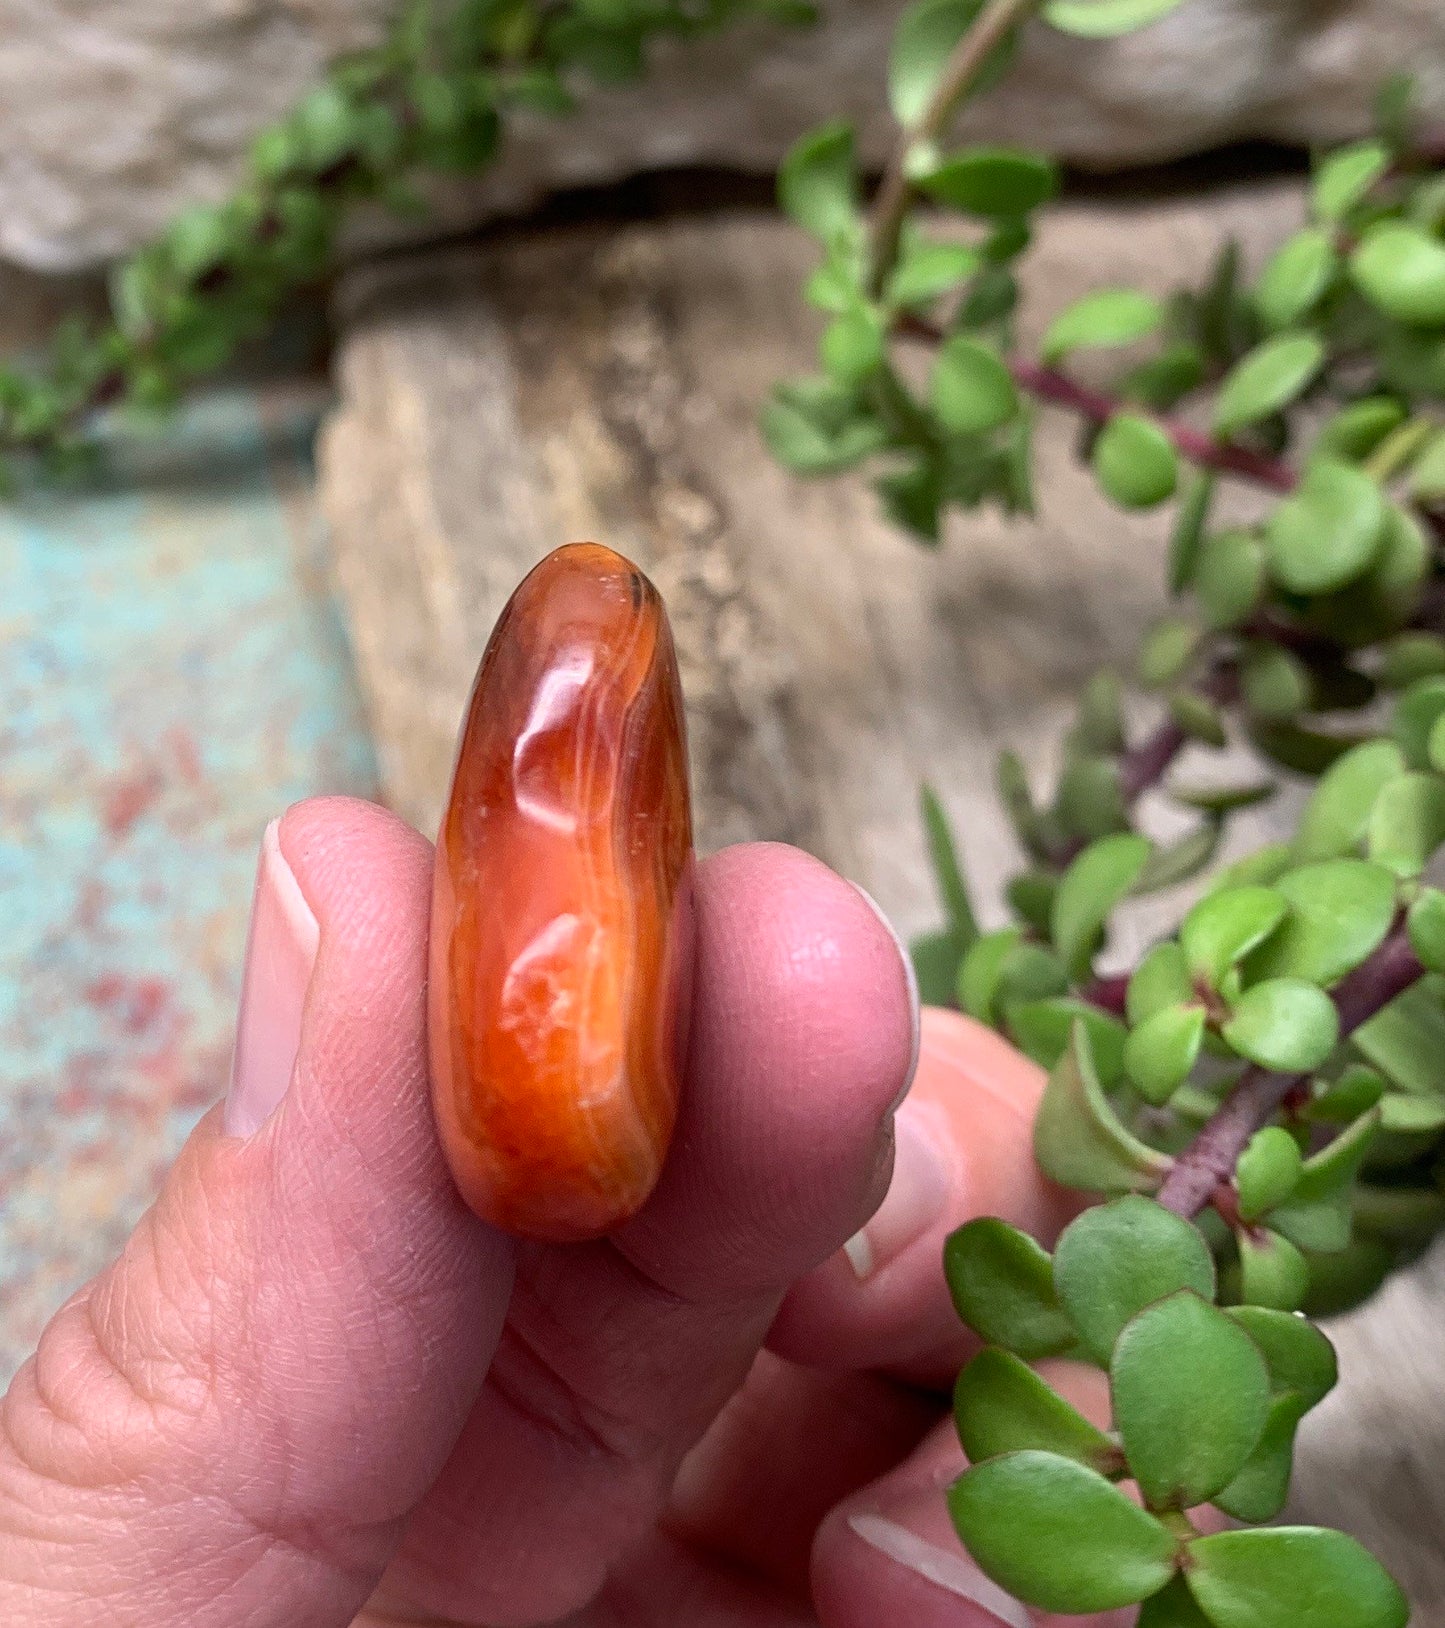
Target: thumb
column 231, row 1423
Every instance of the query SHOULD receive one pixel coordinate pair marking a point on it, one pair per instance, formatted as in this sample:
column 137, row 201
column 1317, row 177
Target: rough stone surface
column 115, row 114
column 604, row 383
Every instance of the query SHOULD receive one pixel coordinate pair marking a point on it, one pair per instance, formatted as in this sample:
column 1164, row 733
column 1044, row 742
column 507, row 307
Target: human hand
column 314, row 1385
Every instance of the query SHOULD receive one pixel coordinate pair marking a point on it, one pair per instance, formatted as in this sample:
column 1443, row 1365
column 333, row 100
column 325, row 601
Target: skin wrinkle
column 346, row 1296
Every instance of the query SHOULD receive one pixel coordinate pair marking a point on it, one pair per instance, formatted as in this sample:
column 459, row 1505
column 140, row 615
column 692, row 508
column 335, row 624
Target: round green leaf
column 1161, row 979
column 1401, row 565
column 1167, row 650
column 852, row 347
column 1272, row 1271
column 1357, row 429
column 1199, row 717
column 1409, row 657
column 817, row 182
column 1284, row 1024
column 1091, row 887
column 1339, row 912
column 1136, row 462
column 1317, row 1216
column 1411, row 1116
column 1090, row 801
column 1427, row 474
column 1275, row 683
column 1416, row 714
column 982, row 966
column 1268, row 1171
column 1118, row 1258
column 1269, row 378
column 1226, row 925
column 1426, row 927
column 1000, row 1405
column 972, row 391
column 1344, row 178
column 1300, row 1359
column 1160, row 1053
column 1230, row 578
column 1355, row 1092
column 1259, row 1491
column 1401, row 269
column 1029, row 972
column 1191, row 1395
column 927, row 270
column 1002, row 1286
column 1058, row 1535
column 1337, row 814
column 993, row 182
column 1407, row 823
column 1108, row 316
column 1292, row 1577
column 1297, row 275
column 1105, row 19
column 1327, row 533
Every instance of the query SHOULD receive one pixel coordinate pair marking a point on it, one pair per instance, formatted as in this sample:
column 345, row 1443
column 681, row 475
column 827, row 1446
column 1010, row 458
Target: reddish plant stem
column 1203, row 450
column 1210, row 1158
column 1146, row 764
column 1049, row 385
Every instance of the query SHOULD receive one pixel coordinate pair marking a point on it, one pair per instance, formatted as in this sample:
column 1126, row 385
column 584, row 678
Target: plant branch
column 1200, row 448
column 1211, row 1157
column 1057, row 389
column 968, row 60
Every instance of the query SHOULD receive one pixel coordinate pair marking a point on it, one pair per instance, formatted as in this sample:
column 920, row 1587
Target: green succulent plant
column 1259, row 1107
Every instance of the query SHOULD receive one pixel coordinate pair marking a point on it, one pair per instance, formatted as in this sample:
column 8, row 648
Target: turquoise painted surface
column 172, row 675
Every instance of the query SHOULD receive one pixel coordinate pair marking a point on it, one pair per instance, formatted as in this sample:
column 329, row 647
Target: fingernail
column 921, row 1542
column 911, row 978
column 917, row 1192
column 280, row 953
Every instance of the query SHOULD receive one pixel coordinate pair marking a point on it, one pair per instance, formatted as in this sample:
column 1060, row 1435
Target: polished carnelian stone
column 561, row 936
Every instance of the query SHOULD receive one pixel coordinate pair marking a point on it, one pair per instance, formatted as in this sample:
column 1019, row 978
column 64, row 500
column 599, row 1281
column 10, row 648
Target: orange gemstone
column 561, row 941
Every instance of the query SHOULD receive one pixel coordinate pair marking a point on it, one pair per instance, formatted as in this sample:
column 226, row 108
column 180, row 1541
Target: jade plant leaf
column 1080, row 1141
column 817, row 183
column 1094, row 883
column 1161, row 1052
column 1117, row 1258
column 1191, row 1395
column 1292, row 1577
column 1272, row 1271
column 1000, row 1405
column 1284, row 1024
column 1326, row 534
column 1226, row 925
column 1259, row 1491
column 1272, row 376
column 1300, row 1358
column 1338, row 812
column 1339, row 912
column 1002, row 1286
column 1059, row 1535
column 1317, row 1215
column 1268, row 1171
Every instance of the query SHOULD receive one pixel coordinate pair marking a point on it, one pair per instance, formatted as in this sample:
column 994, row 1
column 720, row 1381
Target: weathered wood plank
column 606, row 382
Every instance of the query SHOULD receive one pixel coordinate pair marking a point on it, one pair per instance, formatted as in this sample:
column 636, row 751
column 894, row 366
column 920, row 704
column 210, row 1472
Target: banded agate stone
column 561, row 940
